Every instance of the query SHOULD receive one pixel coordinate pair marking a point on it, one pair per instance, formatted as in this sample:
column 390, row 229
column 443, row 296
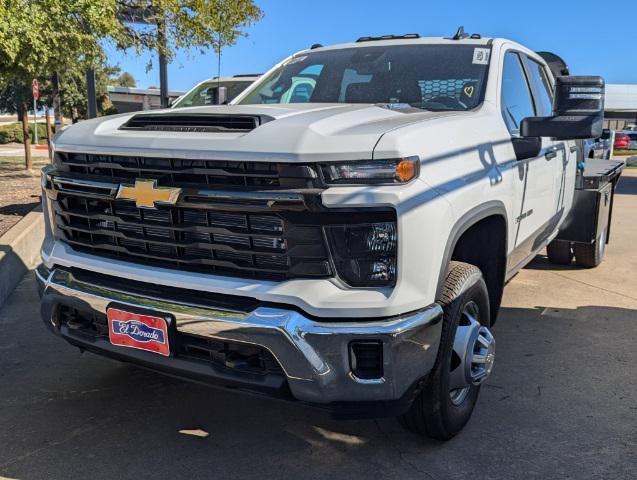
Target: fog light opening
column 366, row 359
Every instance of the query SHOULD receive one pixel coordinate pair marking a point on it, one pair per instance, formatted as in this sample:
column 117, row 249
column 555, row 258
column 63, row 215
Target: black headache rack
column 593, row 203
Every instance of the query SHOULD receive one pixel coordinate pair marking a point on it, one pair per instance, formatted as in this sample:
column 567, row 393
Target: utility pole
column 92, row 97
column 163, row 64
column 147, row 16
column 35, row 90
column 49, row 132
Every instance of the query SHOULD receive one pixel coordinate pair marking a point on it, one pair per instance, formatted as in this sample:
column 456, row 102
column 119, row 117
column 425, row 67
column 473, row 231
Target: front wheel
column 465, row 357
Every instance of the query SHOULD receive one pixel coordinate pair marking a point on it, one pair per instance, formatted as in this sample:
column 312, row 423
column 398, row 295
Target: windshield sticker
column 481, row 56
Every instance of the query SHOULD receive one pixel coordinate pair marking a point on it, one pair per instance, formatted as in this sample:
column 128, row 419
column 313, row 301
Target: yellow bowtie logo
column 146, row 192
column 468, row 91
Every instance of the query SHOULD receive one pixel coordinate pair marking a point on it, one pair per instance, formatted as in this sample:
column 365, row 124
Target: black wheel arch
column 472, row 218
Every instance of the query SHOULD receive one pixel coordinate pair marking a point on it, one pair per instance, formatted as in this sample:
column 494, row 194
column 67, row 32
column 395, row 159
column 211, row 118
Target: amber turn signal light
column 406, row 169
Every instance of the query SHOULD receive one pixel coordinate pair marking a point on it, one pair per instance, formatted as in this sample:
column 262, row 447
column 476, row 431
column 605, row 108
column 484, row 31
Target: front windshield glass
column 203, row 94
column 429, row 77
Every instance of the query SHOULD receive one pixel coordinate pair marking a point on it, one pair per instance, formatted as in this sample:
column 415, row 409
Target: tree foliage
column 187, row 23
column 40, row 37
column 126, row 79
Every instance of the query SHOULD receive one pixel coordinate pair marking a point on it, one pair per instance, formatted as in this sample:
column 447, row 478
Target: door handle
column 573, row 148
column 551, row 153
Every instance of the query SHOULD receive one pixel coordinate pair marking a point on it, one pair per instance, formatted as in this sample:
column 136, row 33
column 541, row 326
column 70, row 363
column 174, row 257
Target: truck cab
column 339, row 235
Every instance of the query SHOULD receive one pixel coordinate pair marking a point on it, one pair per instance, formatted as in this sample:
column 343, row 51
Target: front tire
column 464, row 361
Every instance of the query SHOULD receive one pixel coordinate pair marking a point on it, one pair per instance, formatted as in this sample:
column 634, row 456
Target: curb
column 20, row 251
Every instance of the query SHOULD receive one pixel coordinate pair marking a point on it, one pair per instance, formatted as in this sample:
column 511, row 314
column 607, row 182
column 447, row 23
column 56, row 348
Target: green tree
column 73, row 91
column 126, row 79
column 41, row 37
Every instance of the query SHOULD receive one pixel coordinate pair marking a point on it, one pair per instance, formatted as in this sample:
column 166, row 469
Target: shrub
column 5, row 136
column 13, row 133
column 41, row 132
column 18, row 134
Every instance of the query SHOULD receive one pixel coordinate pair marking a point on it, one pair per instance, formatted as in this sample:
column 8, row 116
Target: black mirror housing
column 606, row 134
column 578, row 111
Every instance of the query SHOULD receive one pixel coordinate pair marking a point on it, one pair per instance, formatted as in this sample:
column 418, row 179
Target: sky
column 594, row 37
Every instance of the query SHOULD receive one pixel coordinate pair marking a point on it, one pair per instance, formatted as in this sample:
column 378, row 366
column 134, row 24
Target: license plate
column 132, row 330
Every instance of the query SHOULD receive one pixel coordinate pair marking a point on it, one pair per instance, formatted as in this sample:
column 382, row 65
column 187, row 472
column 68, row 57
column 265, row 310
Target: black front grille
column 235, row 356
column 260, row 245
column 260, row 220
column 192, row 173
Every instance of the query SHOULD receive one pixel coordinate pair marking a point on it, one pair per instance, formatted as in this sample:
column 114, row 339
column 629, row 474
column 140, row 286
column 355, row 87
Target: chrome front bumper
column 314, row 355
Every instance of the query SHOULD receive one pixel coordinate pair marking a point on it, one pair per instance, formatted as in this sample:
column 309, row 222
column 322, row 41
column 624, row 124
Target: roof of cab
column 404, row 41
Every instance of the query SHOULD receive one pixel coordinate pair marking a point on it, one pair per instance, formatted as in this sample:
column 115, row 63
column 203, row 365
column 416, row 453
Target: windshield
column 430, row 77
column 204, row 94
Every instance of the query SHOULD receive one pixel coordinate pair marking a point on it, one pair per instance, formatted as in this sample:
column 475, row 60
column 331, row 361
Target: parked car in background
column 204, row 93
column 632, row 135
column 622, row 141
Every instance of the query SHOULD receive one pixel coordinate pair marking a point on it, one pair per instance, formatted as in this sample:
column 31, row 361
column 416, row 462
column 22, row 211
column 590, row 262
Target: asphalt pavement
column 561, row 402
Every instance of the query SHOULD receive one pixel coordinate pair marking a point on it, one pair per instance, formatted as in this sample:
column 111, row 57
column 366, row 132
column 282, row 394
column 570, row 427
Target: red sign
column 36, row 89
column 143, row 332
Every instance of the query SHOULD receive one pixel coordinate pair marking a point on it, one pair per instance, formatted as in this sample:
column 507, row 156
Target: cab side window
column 543, row 88
column 516, row 101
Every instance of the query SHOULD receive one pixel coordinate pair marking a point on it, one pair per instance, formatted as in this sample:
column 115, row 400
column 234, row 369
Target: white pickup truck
column 339, row 235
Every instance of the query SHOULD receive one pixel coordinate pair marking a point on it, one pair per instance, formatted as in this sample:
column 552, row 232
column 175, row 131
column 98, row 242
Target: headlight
column 365, row 255
column 375, row 172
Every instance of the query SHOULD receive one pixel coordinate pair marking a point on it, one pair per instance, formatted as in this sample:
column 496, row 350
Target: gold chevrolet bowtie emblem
column 146, row 193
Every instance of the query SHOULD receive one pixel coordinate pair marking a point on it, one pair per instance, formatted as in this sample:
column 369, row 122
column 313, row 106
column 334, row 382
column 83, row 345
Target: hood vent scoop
column 194, row 122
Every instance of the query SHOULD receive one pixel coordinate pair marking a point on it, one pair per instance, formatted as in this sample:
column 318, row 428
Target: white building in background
column 621, row 106
column 127, row 99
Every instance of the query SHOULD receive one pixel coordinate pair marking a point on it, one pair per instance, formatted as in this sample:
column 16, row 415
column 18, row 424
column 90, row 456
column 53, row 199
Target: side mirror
column 526, row 147
column 605, row 134
column 220, row 96
column 578, row 111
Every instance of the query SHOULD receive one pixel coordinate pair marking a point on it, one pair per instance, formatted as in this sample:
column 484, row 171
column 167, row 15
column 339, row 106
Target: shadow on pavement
column 562, row 393
column 627, row 185
column 541, row 262
column 18, row 208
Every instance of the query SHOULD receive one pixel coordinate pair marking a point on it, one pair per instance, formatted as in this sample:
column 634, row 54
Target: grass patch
column 624, row 152
column 19, row 161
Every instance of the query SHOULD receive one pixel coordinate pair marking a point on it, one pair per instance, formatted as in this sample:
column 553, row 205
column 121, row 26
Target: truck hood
column 296, row 133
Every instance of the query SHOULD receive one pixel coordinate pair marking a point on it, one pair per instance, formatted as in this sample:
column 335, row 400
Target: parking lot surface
column 561, row 402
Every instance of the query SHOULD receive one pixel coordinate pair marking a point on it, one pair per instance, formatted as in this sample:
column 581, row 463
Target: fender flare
column 463, row 224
